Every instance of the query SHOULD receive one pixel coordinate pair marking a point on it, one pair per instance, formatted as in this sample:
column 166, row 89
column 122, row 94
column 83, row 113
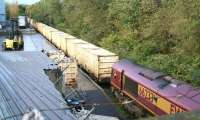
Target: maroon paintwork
column 179, row 93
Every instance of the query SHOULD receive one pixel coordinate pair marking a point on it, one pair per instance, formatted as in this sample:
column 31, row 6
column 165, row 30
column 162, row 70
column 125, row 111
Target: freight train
column 153, row 91
column 93, row 59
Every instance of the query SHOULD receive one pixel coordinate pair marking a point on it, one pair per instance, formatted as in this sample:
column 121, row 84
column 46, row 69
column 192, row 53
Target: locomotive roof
column 179, row 92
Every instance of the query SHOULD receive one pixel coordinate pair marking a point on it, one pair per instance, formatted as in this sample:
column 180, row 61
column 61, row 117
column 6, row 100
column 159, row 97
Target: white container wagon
column 80, row 52
column 63, row 41
column 99, row 64
column 71, row 45
column 93, row 59
column 55, row 37
column 22, row 22
column 48, row 32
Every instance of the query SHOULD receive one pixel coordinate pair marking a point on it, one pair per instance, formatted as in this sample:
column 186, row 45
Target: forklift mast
column 14, row 27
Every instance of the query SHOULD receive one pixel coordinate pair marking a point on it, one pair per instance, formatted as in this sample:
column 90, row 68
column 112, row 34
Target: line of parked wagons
column 148, row 90
column 95, row 60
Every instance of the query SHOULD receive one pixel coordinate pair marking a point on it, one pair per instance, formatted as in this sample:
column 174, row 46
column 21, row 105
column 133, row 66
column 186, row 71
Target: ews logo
column 175, row 109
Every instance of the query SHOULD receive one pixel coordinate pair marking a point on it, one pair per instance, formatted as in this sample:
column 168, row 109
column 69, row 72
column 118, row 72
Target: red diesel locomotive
column 154, row 91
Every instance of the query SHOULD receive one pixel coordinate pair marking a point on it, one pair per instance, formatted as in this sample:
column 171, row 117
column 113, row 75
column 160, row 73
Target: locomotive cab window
column 131, row 86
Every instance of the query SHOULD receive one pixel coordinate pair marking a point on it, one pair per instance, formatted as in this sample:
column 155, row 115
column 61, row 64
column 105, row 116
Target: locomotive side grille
column 131, row 86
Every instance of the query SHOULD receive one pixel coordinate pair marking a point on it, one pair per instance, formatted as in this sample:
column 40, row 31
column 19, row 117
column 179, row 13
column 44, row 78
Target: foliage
column 18, row 11
column 22, row 9
column 12, row 9
column 161, row 34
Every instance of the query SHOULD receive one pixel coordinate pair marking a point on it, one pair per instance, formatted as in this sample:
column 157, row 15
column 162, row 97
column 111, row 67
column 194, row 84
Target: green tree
column 160, row 34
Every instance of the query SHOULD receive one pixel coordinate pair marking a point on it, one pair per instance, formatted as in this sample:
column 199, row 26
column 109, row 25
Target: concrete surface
column 36, row 42
column 2, row 38
column 25, row 86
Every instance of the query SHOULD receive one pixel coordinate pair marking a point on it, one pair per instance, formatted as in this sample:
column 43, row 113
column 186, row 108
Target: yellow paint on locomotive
column 158, row 101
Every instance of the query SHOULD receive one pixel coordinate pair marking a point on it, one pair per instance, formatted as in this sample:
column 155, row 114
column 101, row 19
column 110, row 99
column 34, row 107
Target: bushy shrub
column 160, row 34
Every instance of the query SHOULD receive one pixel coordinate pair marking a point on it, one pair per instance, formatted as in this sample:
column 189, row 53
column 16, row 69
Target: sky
column 24, row 1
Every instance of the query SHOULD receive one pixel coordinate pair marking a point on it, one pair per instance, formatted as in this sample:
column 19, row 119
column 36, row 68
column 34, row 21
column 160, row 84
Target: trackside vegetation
column 160, row 34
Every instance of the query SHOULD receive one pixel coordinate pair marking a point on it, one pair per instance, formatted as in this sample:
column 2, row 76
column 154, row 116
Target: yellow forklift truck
column 15, row 40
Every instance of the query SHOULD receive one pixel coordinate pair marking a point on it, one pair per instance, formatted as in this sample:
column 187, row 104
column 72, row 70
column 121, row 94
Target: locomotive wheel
column 132, row 107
